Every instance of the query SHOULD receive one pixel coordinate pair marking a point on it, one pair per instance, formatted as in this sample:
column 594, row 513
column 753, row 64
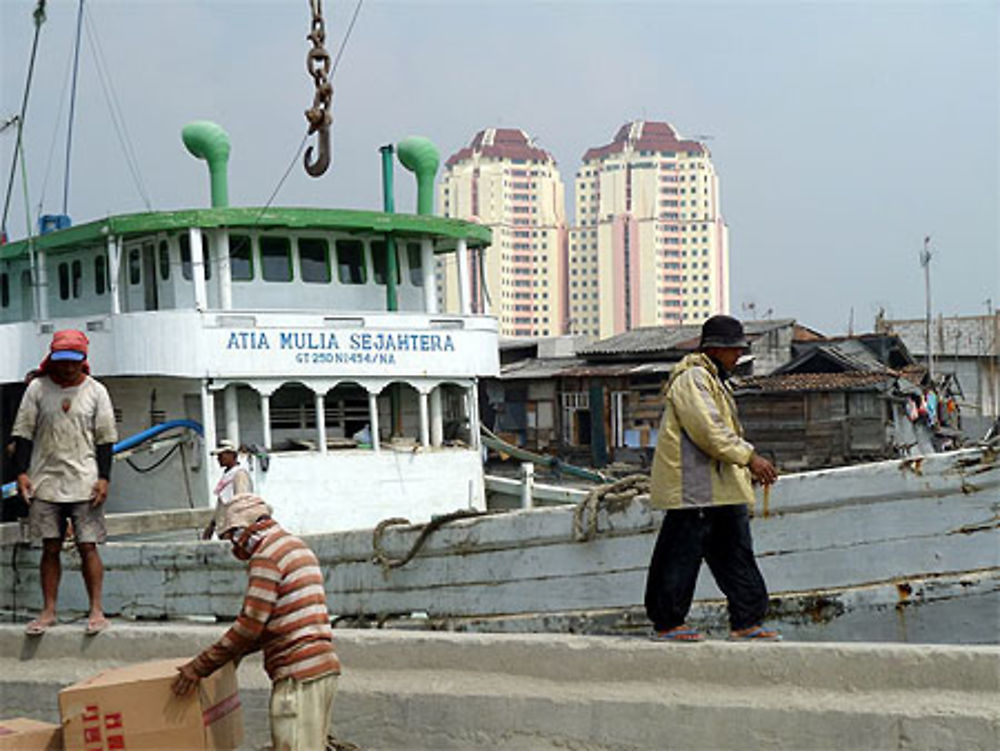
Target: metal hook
column 318, row 167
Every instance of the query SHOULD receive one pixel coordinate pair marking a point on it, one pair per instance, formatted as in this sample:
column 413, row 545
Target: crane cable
column 302, row 143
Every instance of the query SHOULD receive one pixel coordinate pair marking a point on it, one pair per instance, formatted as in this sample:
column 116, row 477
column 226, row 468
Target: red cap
column 69, row 340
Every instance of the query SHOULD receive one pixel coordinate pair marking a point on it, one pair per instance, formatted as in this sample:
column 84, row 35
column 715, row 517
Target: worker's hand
column 762, row 470
column 25, row 488
column 186, row 680
column 99, row 494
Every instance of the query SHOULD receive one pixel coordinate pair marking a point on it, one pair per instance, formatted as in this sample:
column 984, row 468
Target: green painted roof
column 445, row 231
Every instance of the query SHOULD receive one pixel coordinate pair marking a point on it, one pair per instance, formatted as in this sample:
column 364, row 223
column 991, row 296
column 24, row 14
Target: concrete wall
column 405, row 690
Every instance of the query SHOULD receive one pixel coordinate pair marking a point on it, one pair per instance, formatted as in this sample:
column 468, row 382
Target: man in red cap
column 63, row 433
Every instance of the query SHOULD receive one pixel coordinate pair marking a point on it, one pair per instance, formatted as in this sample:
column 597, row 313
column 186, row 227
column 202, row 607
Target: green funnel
column 210, row 142
column 421, row 157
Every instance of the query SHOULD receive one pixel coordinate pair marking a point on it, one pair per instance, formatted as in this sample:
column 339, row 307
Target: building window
column 275, row 258
column 240, row 258
column 351, row 262
column 314, row 260
column 4, row 290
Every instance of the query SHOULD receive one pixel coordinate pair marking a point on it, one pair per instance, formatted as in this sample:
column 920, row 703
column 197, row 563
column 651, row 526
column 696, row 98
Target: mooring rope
column 614, row 497
column 387, row 562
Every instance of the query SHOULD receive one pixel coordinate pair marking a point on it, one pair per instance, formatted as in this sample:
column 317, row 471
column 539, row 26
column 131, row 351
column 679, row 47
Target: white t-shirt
column 65, row 425
column 234, row 481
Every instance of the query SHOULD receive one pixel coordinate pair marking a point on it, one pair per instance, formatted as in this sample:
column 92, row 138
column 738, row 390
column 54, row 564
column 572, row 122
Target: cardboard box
column 133, row 708
column 22, row 734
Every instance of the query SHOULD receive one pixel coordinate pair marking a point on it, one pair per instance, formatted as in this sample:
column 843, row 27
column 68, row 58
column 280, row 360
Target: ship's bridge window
column 185, row 245
column 275, row 259
column 380, row 262
column 100, row 274
column 134, row 267
column 351, row 262
column 240, row 258
column 314, row 260
column 4, row 291
column 164, row 255
column 414, row 261
column 70, row 280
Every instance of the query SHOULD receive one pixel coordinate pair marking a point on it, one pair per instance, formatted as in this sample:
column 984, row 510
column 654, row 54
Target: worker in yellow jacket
column 702, row 474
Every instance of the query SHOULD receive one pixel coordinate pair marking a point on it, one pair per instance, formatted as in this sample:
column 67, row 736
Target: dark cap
column 723, row 331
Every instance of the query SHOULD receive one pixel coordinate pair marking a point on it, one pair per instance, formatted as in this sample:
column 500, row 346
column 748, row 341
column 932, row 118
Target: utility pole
column 925, row 261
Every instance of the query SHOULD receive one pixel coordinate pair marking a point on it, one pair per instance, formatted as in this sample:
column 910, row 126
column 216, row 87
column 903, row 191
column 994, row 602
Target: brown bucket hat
column 242, row 511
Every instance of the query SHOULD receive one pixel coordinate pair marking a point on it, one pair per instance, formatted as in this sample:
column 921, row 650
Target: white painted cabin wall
column 355, row 489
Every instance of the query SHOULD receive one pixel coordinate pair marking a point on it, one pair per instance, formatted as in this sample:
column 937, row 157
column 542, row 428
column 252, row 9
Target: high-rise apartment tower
column 650, row 246
column 505, row 181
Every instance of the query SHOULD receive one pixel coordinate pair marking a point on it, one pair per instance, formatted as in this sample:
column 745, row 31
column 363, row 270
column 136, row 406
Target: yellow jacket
column 701, row 455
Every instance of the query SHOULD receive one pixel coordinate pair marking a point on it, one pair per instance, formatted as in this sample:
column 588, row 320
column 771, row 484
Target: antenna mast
column 925, row 261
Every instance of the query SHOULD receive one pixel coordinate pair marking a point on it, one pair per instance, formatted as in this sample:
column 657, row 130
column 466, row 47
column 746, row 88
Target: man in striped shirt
column 284, row 614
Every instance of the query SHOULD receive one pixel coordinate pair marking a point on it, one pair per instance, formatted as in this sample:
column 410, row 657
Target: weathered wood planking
column 848, row 527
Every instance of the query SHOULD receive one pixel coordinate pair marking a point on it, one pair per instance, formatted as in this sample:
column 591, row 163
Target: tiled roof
column 501, row 143
column 652, row 136
column 814, row 381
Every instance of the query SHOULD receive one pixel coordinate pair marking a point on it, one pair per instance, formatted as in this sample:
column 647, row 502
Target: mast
column 925, row 261
column 39, row 16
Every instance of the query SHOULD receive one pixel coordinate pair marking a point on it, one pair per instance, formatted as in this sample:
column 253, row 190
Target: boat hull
column 903, row 551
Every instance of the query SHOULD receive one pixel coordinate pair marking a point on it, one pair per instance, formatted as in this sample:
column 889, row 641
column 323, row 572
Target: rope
column 154, row 465
column 615, row 497
column 387, row 562
column 114, row 110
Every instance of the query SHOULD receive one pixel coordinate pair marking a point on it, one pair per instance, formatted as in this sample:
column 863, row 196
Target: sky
column 843, row 133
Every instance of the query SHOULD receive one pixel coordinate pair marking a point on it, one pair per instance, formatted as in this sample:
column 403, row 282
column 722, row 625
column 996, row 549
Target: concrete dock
column 436, row 690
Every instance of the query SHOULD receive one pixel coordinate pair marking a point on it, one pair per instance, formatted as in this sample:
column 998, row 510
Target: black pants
column 719, row 535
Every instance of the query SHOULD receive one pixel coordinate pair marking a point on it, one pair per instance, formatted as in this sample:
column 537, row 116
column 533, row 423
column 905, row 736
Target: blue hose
column 10, row 489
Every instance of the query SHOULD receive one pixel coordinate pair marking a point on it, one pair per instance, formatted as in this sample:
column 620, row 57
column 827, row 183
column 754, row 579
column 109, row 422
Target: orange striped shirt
column 284, row 613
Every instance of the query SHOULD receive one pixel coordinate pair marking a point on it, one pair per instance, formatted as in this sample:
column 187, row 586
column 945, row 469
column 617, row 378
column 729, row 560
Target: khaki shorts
column 47, row 521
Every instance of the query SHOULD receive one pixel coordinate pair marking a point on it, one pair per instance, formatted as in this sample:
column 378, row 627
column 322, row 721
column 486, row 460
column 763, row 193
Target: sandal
column 679, row 633
column 96, row 625
column 757, row 633
column 38, row 627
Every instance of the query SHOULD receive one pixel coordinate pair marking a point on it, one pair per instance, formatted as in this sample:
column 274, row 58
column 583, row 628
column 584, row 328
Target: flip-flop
column 38, row 627
column 680, row 634
column 97, row 625
column 758, row 633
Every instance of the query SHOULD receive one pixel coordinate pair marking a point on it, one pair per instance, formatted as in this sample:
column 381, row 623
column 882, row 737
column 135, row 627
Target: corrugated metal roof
column 964, row 336
column 850, row 355
column 572, row 367
column 663, row 338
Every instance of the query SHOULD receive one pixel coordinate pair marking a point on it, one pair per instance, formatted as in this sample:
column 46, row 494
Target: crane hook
column 322, row 162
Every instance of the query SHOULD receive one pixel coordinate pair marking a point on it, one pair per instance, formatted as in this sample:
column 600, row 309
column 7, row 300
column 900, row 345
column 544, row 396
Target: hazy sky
column 843, row 133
